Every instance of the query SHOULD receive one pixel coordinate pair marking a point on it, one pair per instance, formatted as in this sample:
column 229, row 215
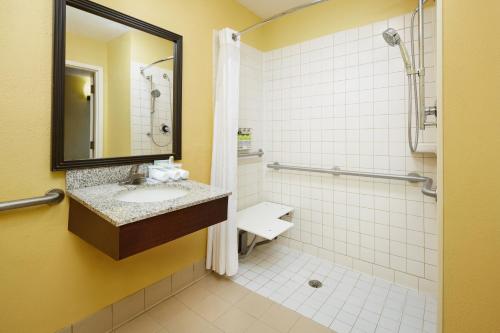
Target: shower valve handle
column 431, row 111
column 165, row 129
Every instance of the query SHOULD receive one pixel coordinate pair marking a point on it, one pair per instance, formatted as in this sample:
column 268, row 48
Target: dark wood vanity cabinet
column 120, row 242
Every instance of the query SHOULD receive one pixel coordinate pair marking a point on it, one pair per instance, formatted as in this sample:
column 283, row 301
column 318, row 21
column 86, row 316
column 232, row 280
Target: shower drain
column 315, row 284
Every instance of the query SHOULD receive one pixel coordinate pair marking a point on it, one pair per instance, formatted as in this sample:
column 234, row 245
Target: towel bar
column 258, row 153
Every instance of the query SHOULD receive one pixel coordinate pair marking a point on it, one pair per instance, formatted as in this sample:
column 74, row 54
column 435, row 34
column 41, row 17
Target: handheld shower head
column 155, row 93
column 393, row 38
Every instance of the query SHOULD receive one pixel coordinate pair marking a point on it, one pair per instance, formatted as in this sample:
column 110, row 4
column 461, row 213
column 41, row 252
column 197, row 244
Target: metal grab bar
column 258, row 153
column 52, row 197
column 427, row 188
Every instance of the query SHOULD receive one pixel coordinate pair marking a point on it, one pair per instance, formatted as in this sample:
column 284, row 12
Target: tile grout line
column 403, row 310
column 364, row 303
column 344, row 303
column 146, row 310
column 383, row 306
column 340, row 309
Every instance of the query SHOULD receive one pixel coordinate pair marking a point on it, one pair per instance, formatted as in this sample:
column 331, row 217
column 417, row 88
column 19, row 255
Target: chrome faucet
column 134, row 177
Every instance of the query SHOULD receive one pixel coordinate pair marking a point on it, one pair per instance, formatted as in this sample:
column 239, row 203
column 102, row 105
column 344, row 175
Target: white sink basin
column 151, row 194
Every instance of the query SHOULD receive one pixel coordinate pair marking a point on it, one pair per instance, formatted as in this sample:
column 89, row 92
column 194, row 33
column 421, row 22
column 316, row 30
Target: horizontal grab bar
column 258, row 153
column 52, row 197
column 427, row 189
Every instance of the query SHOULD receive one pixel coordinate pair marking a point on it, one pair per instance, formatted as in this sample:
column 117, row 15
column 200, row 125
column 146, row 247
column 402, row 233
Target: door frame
column 98, row 103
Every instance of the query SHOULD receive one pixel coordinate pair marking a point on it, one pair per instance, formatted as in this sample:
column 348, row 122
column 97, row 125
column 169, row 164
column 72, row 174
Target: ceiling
column 92, row 26
column 267, row 8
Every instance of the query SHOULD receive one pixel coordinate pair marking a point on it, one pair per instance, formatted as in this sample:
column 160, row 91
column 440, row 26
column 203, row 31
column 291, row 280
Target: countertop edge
column 144, row 216
column 90, row 207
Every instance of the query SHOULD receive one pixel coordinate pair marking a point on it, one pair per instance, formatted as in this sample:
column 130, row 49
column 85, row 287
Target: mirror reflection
column 118, row 96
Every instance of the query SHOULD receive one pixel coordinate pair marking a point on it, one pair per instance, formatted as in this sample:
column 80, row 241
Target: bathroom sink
column 151, row 194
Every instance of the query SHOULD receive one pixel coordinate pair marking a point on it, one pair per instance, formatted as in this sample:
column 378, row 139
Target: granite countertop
column 101, row 200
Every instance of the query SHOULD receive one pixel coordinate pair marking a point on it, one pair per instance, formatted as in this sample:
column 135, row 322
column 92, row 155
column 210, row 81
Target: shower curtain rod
column 237, row 35
column 156, row 62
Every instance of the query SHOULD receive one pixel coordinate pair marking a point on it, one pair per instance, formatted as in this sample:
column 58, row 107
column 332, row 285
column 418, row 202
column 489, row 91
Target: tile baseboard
column 115, row 315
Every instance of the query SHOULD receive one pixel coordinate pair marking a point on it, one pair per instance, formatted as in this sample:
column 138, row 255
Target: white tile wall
column 340, row 100
column 141, row 110
column 250, row 171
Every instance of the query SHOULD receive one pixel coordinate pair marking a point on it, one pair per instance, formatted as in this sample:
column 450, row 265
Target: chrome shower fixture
column 164, row 129
column 155, row 93
column 393, row 38
column 416, row 90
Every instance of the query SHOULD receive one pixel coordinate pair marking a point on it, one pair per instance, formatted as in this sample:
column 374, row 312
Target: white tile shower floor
column 348, row 301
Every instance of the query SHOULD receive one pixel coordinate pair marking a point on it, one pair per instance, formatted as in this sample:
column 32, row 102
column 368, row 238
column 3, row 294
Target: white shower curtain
column 222, row 245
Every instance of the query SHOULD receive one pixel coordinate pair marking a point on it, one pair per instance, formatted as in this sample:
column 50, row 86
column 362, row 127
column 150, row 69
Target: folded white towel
column 158, row 173
column 174, row 174
column 166, row 164
column 163, row 174
column 184, row 174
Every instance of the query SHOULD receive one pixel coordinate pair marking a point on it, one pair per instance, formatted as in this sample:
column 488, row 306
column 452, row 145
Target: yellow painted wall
column 329, row 17
column 86, row 50
column 471, row 130
column 148, row 48
column 90, row 52
column 49, row 277
column 114, row 57
column 117, row 119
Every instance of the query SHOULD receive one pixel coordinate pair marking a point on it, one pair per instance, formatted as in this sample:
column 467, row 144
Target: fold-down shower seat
column 262, row 220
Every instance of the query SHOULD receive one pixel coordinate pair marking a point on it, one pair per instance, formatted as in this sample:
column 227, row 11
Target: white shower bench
column 261, row 220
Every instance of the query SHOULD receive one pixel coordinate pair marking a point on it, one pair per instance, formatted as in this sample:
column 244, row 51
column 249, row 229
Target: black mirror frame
column 59, row 50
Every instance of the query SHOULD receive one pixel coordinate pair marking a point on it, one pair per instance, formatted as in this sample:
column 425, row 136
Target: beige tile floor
column 216, row 304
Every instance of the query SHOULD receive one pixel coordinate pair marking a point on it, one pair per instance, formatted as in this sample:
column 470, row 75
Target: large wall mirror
column 117, row 88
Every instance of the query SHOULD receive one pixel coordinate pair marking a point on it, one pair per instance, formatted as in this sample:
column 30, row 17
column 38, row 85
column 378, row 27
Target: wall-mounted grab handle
column 427, row 188
column 52, row 197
